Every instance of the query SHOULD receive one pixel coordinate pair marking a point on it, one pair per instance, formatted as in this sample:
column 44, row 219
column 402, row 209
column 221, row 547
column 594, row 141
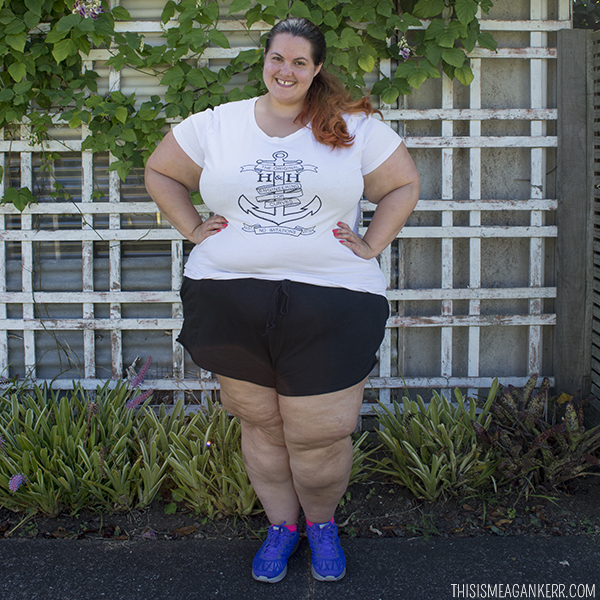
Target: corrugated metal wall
column 89, row 285
column 595, row 59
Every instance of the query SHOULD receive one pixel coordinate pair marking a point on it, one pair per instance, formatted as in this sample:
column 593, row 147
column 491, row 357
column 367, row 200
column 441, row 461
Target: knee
column 320, row 468
column 320, row 436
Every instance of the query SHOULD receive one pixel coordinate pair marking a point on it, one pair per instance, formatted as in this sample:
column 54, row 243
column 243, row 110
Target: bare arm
column 394, row 186
column 171, row 175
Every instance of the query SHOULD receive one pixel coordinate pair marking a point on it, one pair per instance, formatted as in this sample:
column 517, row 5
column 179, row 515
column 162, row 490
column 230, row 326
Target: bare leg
column 263, row 447
column 317, row 436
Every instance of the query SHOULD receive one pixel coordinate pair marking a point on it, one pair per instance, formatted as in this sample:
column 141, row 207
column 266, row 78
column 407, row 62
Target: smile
column 285, row 83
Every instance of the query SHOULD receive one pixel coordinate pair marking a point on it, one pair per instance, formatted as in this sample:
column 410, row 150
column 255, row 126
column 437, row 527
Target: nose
column 285, row 69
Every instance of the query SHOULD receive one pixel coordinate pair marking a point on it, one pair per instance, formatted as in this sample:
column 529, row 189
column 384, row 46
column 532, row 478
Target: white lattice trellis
column 451, row 226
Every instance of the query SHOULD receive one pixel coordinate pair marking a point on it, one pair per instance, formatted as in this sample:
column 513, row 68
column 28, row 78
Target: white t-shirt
column 282, row 198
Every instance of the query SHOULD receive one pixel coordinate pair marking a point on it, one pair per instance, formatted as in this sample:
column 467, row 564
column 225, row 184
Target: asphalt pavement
column 378, row 569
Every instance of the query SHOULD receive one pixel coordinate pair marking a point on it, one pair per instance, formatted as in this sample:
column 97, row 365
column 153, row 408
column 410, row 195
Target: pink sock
column 290, row 528
column 311, row 524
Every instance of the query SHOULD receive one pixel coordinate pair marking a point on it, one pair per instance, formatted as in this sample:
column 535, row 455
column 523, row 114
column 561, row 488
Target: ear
column 318, row 69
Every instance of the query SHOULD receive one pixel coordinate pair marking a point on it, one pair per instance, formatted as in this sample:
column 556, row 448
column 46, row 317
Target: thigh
column 256, row 406
column 319, row 421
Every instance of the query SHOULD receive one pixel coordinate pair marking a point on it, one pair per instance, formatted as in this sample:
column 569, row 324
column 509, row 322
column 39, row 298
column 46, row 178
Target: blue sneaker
column 270, row 562
column 328, row 560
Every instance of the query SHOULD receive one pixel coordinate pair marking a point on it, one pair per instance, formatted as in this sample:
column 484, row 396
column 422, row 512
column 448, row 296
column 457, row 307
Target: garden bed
column 371, row 509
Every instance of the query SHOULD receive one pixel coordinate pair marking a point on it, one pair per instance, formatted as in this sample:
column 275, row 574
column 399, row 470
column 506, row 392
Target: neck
column 279, row 110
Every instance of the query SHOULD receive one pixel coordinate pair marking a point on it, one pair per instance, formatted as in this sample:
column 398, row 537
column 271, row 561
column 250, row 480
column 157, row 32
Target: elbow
column 415, row 190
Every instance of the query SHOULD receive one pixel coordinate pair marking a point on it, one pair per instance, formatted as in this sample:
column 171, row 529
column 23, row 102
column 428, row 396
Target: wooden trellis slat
column 137, row 235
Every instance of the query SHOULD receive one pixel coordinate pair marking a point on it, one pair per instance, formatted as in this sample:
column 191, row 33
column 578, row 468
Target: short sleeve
column 379, row 142
column 192, row 133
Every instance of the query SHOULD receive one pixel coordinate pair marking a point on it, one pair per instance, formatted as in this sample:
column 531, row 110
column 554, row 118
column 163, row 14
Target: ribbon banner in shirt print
column 279, row 201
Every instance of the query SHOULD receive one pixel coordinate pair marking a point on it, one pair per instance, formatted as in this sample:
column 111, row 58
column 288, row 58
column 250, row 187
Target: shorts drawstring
column 279, row 304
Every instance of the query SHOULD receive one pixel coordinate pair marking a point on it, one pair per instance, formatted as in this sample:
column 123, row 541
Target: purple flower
column 16, row 481
column 404, row 48
column 135, row 402
column 88, row 8
column 139, row 378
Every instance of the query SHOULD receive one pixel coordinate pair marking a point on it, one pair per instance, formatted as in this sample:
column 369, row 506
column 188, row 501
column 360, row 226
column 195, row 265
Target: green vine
column 44, row 44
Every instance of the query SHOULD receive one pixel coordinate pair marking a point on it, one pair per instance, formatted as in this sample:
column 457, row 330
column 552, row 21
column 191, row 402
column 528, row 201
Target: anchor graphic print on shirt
column 279, row 197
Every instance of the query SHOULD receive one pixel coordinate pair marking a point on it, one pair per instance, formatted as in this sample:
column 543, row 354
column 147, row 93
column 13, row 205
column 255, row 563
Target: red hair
column 325, row 103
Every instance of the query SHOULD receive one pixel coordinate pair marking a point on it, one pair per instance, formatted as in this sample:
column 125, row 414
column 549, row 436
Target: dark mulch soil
column 372, row 509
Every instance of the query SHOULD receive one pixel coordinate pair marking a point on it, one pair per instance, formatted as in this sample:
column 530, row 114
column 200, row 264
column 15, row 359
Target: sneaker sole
column 319, row 577
column 265, row 579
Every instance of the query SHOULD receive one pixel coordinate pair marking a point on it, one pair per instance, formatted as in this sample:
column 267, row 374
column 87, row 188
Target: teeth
column 287, row 83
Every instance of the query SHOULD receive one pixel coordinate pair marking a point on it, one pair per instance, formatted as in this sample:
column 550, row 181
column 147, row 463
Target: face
column 289, row 68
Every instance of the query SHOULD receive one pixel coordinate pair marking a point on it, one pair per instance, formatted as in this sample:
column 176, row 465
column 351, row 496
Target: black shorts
column 300, row 339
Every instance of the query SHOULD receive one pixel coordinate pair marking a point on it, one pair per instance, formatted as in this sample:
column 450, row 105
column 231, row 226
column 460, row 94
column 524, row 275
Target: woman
column 282, row 299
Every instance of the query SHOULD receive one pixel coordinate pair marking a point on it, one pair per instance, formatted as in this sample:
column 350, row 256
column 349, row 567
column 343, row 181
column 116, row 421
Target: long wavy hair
column 326, row 100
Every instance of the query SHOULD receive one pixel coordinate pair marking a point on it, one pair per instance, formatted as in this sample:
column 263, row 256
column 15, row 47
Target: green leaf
column 171, row 508
column 173, row 77
column 128, row 135
column 485, row 40
column 330, row 19
column 435, row 28
column 6, row 94
column 299, row 9
column 122, row 168
column 168, row 11
column 210, row 12
column 121, row 114
column 454, row 57
column 464, row 73
column 446, row 39
column 366, row 62
column 120, row 14
column 350, row 38
column 17, row 42
column 466, row 10
column 67, row 23
column 19, row 198
column 196, row 198
column 31, row 19
column 377, row 31
column 428, row 8
column 15, row 27
column 433, row 52
column 390, row 95
column 35, row 6
column 218, row 38
column 64, row 49
column 17, row 71
column 239, row 6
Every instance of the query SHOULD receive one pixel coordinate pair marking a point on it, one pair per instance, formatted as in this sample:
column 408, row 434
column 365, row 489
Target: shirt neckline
column 265, row 135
